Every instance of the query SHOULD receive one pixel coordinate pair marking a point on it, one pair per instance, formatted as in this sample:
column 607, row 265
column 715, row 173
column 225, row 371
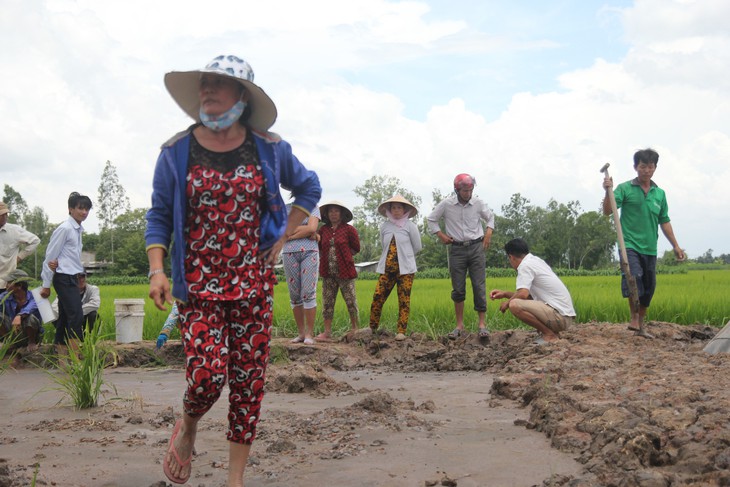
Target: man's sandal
column 456, row 333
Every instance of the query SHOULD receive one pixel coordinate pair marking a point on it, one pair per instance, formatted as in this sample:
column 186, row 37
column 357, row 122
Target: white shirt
column 90, row 300
column 15, row 243
column 461, row 222
column 65, row 246
column 538, row 278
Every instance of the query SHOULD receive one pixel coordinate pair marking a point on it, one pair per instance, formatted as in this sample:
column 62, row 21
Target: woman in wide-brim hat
column 345, row 213
column 338, row 242
column 401, row 241
column 221, row 177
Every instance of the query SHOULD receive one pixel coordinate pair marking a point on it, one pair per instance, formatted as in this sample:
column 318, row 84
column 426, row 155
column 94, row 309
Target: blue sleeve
column 160, row 215
column 302, row 182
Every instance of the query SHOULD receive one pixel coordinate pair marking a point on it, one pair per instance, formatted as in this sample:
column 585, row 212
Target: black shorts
column 643, row 268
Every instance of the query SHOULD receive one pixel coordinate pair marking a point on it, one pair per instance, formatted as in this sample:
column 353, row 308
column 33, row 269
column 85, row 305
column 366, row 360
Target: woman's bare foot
column 323, row 337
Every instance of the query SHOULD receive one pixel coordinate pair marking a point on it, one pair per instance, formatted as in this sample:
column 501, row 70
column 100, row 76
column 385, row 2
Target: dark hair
column 21, row 283
column 647, row 156
column 516, row 247
column 76, row 200
column 243, row 119
column 246, row 111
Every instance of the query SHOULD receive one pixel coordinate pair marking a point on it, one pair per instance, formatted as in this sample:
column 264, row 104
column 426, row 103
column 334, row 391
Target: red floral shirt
column 346, row 242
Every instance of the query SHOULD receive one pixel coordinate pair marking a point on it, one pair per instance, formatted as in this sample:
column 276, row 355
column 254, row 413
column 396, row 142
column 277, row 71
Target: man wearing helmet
column 464, row 233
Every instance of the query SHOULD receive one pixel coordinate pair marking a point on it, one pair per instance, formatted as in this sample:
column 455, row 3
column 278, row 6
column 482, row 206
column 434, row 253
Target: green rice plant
column 278, row 354
column 80, row 374
column 695, row 296
column 8, row 351
column 432, row 330
column 7, row 346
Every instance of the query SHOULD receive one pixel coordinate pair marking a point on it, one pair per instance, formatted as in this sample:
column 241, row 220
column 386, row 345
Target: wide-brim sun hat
column 16, row 275
column 4, row 208
column 184, row 87
column 346, row 213
column 413, row 211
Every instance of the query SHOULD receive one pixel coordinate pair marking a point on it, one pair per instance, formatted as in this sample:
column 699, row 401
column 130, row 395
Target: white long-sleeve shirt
column 16, row 243
column 65, row 246
column 461, row 222
column 90, row 300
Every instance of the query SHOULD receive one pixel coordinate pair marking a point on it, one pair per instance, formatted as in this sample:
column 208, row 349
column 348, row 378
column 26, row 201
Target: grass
column 7, row 352
column 694, row 297
column 81, row 373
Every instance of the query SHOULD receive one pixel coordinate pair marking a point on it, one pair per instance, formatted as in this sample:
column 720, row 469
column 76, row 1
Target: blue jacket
column 166, row 217
column 9, row 306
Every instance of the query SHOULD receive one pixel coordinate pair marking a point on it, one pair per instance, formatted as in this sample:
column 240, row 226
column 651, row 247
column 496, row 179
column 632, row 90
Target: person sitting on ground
column 90, row 301
column 20, row 320
column 171, row 322
column 401, row 242
column 541, row 300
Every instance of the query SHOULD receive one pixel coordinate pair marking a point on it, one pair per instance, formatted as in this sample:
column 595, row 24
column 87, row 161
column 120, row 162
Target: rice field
column 691, row 298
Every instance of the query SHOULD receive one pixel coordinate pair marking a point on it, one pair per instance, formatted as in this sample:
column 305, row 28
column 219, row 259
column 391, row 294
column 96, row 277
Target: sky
column 529, row 96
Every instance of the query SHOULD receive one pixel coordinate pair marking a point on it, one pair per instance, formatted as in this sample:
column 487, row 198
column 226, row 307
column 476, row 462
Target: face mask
column 220, row 122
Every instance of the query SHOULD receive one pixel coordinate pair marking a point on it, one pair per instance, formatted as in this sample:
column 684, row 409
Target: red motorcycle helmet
column 464, row 181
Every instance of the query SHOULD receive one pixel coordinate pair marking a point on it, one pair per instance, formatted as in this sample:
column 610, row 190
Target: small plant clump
column 80, row 374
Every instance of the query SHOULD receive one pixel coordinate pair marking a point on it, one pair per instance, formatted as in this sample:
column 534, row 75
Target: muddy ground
column 601, row 407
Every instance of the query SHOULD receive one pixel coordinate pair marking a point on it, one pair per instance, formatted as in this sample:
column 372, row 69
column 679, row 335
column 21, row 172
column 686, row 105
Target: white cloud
column 83, row 85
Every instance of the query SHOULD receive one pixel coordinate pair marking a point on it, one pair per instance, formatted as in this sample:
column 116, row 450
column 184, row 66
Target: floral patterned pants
column 227, row 341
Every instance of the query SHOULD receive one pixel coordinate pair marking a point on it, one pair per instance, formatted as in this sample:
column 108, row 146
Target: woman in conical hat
column 401, row 242
column 338, row 242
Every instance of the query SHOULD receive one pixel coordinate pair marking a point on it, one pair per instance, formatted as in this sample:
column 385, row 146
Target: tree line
column 562, row 234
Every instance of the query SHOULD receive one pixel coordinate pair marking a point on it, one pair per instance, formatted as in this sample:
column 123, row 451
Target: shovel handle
column 631, row 281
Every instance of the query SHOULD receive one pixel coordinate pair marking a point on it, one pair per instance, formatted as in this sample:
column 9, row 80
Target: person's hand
column 496, row 294
column 161, row 340
column 160, row 290
column 679, row 254
column 607, row 183
column 487, row 243
column 53, row 265
column 45, row 292
column 504, row 306
column 16, row 323
column 271, row 255
column 445, row 239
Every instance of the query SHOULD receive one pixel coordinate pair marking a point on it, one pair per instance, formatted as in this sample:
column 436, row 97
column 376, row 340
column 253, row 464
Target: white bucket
column 44, row 306
column 129, row 314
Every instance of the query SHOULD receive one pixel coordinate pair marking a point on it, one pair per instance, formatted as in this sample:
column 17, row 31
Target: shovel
column 630, row 279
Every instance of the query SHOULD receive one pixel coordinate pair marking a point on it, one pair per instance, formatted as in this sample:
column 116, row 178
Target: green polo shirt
column 641, row 215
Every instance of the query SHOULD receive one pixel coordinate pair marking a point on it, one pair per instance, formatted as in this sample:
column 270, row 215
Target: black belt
column 468, row 243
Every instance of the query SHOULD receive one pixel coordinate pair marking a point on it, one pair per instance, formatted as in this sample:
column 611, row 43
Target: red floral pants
column 227, row 340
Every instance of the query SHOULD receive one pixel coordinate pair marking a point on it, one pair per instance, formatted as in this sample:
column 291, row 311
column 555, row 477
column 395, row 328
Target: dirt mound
column 632, row 411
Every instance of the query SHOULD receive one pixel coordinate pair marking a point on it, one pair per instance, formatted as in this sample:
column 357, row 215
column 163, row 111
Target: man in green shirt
column 643, row 211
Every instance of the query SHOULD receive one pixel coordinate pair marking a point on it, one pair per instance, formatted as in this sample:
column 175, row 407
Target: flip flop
column 483, row 332
column 308, row 341
column 456, row 333
column 171, row 448
column 297, row 340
